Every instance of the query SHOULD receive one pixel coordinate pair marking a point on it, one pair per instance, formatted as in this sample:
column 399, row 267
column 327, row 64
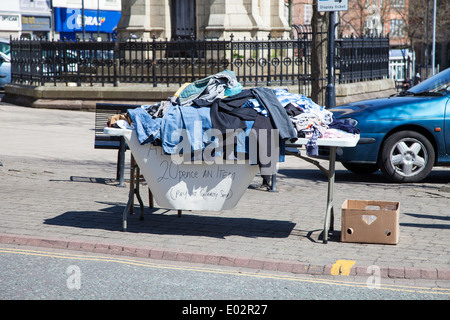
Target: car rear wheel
column 406, row 156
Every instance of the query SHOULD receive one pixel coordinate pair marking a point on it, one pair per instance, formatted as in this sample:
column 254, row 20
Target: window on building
column 398, row 3
column 397, row 28
column 307, row 14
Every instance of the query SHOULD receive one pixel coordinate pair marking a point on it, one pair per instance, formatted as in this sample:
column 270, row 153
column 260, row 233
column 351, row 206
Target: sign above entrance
column 333, row 5
column 70, row 20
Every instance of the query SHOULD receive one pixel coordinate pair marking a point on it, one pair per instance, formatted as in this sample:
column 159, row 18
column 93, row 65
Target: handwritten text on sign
column 207, row 182
column 173, row 171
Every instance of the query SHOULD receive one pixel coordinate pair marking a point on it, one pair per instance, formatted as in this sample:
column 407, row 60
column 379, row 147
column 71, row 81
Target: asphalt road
column 36, row 274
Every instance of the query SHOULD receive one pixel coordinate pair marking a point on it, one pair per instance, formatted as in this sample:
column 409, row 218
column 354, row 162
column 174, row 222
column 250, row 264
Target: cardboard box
column 366, row 221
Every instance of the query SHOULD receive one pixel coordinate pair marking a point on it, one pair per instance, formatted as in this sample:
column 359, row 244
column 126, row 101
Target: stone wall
column 85, row 97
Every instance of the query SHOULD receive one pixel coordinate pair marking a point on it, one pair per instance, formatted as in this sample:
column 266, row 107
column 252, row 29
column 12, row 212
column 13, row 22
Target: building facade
column 58, row 19
column 406, row 23
column 100, row 18
column 25, row 19
column 202, row 19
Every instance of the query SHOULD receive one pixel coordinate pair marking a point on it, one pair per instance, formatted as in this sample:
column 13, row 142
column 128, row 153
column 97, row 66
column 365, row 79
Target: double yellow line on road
column 237, row 272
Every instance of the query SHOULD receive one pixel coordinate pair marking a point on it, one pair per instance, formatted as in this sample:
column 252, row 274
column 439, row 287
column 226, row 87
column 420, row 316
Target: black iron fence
column 362, row 58
column 163, row 62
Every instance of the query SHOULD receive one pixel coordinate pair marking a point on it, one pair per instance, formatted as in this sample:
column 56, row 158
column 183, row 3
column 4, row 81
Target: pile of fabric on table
column 207, row 112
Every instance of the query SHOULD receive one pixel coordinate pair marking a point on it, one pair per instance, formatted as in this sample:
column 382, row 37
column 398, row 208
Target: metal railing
column 362, row 58
column 163, row 62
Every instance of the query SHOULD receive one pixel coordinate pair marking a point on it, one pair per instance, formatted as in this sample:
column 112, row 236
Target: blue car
column 405, row 135
column 5, row 63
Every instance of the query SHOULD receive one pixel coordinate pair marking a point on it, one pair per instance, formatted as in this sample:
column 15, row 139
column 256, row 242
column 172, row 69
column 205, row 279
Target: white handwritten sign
column 191, row 186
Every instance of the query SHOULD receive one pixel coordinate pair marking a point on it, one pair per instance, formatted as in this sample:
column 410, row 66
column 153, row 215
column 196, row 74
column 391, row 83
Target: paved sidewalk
column 58, row 191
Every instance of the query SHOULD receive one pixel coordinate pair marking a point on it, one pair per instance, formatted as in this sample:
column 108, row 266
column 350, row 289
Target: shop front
column 97, row 23
column 36, row 27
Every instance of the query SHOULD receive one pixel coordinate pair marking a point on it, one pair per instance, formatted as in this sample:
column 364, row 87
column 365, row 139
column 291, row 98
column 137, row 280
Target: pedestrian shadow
column 162, row 221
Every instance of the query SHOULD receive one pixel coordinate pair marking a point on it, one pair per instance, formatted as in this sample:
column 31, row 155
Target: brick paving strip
column 221, row 260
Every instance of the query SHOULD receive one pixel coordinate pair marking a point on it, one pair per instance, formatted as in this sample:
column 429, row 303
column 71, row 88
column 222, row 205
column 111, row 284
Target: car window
column 439, row 83
column 5, row 47
column 4, row 57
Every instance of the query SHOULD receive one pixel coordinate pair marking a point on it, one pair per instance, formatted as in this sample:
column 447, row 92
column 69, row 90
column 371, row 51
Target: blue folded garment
column 210, row 88
column 147, row 127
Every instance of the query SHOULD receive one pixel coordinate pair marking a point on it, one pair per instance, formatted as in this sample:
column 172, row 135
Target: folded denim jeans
column 147, row 127
column 186, row 122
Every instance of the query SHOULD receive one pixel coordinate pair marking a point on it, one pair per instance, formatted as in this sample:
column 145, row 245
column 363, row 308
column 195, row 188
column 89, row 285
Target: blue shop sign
column 70, row 20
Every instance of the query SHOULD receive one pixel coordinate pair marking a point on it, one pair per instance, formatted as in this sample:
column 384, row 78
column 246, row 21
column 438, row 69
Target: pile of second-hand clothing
column 203, row 114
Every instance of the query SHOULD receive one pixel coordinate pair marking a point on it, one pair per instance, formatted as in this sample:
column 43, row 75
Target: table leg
column 150, row 198
column 329, row 216
column 273, row 187
column 138, row 195
column 121, row 164
column 130, row 194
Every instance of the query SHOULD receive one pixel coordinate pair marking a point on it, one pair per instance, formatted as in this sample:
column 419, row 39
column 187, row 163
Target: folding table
column 333, row 144
column 246, row 173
